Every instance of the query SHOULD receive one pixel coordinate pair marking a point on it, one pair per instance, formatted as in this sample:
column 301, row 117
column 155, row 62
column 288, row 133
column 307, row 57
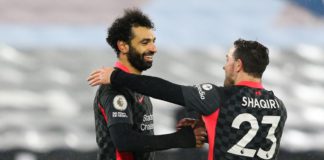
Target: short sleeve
column 203, row 98
column 117, row 108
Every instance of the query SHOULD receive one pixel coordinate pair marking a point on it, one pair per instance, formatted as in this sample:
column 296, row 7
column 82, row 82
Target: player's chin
column 147, row 66
column 149, row 63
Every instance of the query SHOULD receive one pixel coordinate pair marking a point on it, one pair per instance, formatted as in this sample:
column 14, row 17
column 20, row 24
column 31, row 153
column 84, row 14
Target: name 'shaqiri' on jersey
column 260, row 103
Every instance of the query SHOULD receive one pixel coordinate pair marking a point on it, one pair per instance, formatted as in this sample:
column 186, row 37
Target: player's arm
column 203, row 98
column 126, row 139
column 117, row 107
column 151, row 86
column 188, row 96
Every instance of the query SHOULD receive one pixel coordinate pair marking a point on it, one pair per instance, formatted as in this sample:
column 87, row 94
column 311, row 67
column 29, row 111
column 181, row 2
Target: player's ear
column 123, row 47
column 238, row 65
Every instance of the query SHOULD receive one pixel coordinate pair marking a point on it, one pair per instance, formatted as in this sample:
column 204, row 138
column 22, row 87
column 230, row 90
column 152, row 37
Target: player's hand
column 186, row 122
column 200, row 135
column 199, row 129
column 100, row 76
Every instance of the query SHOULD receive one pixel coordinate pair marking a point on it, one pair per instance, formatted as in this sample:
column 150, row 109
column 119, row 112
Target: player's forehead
column 140, row 33
column 230, row 52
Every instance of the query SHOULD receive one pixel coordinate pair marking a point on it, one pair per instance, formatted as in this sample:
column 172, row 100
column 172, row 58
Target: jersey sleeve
column 117, row 107
column 126, row 139
column 151, row 86
column 203, row 98
column 190, row 113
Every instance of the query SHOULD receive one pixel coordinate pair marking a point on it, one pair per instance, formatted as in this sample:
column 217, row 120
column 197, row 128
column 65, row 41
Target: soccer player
column 123, row 118
column 243, row 120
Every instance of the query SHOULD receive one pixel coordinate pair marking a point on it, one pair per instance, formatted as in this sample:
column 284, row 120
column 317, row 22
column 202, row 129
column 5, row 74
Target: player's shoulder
column 229, row 90
column 282, row 106
column 278, row 100
column 208, row 89
column 272, row 93
column 109, row 90
column 207, row 86
column 109, row 93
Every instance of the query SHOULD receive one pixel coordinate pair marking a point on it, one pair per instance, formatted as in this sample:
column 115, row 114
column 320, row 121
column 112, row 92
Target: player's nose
column 153, row 48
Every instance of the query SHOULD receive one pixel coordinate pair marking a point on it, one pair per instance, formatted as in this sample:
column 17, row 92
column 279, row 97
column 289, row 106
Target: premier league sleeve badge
column 120, row 102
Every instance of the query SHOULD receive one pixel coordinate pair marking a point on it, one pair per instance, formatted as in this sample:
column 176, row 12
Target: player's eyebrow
column 148, row 39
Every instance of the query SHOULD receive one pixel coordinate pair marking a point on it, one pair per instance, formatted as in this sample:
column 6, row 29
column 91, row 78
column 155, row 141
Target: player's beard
column 229, row 81
column 136, row 59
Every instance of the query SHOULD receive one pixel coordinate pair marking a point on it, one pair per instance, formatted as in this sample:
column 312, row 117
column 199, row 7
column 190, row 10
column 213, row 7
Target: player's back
column 249, row 125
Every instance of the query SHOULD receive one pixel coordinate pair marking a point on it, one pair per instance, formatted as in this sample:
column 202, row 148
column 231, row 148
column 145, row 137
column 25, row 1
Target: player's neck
column 245, row 77
column 127, row 64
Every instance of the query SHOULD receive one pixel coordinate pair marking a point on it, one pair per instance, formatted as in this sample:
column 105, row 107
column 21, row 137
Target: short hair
column 254, row 56
column 121, row 29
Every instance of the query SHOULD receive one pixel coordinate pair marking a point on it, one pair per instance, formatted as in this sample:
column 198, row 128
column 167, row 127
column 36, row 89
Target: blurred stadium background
column 47, row 49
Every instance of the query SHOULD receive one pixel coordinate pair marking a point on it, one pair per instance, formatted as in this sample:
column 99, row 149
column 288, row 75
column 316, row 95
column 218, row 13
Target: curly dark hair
column 254, row 56
column 121, row 29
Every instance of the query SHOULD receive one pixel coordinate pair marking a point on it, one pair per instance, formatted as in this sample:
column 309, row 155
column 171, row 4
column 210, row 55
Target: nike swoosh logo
column 141, row 99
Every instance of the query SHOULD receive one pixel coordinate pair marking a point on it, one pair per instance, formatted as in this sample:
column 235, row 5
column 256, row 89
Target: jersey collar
column 121, row 66
column 250, row 84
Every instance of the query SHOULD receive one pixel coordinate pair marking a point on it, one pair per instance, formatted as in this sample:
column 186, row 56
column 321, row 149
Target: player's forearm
column 150, row 86
column 128, row 140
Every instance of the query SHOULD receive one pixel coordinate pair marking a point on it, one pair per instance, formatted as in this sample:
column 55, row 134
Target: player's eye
column 145, row 42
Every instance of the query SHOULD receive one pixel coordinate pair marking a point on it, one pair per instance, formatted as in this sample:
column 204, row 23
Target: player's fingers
column 191, row 124
column 179, row 125
column 95, row 72
column 200, row 138
column 94, row 82
column 91, row 77
column 185, row 122
column 186, row 119
column 181, row 122
column 200, row 132
column 203, row 133
column 199, row 144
